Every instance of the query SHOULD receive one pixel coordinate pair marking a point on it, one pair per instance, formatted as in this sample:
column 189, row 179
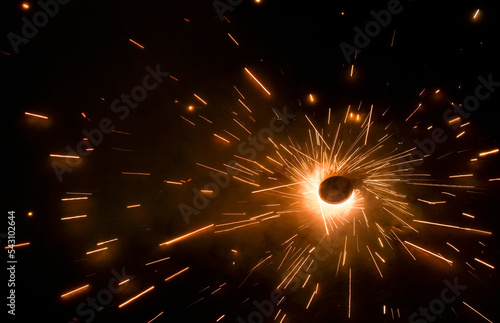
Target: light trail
column 186, row 235
column 135, row 297
column 258, row 82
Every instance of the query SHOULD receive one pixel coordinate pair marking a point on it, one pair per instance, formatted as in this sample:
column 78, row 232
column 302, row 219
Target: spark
column 476, row 13
column 368, row 125
column 136, row 43
column 18, row 245
column 484, row 263
column 64, row 156
column 317, row 132
column 108, row 241
column 156, row 261
column 276, row 187
column 75, row 291
column 124, row 282
column 241, row 125
column 189, row 121
column 464, row 175
column 350, row 295
column 154, row 318
column 221, row 138
column 176, row 274
column 74, row 198
column 256, row 80
column 133, row 206
column 429, row 252
column 201, row 100
column 205, row 119
column 452, row 226
column 121, row 149
column 97, row 250
column 494, row 151
column 74, row 217
column 477, row 312
column 245, row 181
column 186, row 235
column 376, row 265
column 121, row 132
column 216, row 170
column 449, row 244
column 414, row 112
column 173, row 183
column 36, row 115
column 431, row 203
column 135, row 297
column 312, row 296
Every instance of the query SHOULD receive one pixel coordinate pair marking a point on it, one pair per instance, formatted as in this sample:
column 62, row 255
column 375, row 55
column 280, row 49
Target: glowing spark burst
column 292, row 186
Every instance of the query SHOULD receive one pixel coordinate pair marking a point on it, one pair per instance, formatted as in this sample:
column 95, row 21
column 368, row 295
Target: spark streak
column 187, row 235
column 484, row 317
column 429, row 252
column 75, row 291
column 176, row 274
column 256, row 80
column 452, row 226
column 135, row 297
column 35, row 115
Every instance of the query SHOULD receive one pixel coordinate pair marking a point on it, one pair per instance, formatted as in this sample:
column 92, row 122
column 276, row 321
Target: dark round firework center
column 335, row 189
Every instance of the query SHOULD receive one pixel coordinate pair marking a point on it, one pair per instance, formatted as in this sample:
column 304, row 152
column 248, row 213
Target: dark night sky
column 83, row 54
